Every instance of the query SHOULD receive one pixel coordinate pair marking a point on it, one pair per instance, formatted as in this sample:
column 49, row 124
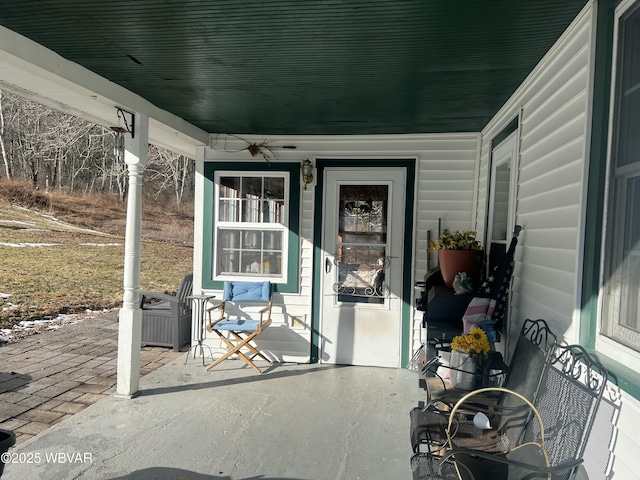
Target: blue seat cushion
column 247, row 291
column 237, row 325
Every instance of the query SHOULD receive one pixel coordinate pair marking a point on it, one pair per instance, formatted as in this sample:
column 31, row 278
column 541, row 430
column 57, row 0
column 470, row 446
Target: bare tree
column 167, row 169
column 3, row 148
column 30, row 140
column 56, row 150
column 119, row 168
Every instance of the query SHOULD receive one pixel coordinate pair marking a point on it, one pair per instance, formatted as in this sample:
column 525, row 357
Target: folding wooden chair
column 239, row 331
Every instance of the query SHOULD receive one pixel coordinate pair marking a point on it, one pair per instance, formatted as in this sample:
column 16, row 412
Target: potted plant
column 458, row 252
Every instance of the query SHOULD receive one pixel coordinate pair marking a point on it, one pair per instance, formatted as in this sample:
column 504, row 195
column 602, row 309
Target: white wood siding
column 288, row 339
column 553, row 103
column 445, row 179
column 445, row 190
column 554, row 141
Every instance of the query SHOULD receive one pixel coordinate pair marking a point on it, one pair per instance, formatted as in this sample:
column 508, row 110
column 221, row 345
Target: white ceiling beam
column 35, row 72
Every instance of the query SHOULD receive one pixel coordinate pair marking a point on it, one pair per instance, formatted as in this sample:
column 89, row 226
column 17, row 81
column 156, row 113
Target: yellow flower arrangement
column 474, row 342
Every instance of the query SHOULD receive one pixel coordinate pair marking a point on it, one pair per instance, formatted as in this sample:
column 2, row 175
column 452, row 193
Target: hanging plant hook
column 127, row 128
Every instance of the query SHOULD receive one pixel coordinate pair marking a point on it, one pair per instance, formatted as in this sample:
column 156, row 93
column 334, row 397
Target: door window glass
column 362, row 243
column 500, row 223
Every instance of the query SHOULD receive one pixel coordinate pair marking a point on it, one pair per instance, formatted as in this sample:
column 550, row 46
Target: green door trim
column 410, row 166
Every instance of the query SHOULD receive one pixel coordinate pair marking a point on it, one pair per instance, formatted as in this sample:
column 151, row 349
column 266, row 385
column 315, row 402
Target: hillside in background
column 63, row 253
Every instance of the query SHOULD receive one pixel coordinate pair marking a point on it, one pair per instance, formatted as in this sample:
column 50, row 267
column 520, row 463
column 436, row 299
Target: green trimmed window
column 619, row 330
column 251, row 227
column 251, row 224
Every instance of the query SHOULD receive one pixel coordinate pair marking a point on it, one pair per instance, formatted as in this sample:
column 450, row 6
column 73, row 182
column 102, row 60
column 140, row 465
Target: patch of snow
column 22, row 245
column 66, row 225
column 57, row 221
column 18, row 222
column 10, row 306
column 31, row 327
column 101, row 244
column 5, row 295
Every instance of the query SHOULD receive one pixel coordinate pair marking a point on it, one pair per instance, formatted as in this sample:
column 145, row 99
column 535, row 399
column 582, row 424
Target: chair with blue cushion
column 237, row 328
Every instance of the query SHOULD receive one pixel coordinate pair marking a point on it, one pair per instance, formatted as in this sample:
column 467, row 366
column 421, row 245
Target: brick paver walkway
column 48, row 377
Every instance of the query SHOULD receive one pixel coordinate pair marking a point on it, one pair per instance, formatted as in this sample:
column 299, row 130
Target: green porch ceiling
column 303, row 66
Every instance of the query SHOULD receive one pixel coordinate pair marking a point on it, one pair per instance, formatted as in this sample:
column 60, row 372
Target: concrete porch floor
column 294, row 422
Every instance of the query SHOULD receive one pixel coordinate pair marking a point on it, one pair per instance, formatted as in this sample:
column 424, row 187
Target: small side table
column 199, row 302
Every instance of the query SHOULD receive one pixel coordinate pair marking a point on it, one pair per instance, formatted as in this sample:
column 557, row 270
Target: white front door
column 362, row 245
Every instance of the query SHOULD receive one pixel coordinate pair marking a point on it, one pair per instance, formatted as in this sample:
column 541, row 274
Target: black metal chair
column 166, row 320
column 428, row 424
column 567, row 400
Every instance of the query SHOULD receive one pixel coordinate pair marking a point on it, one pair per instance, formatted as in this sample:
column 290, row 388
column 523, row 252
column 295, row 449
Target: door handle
column 327, row 265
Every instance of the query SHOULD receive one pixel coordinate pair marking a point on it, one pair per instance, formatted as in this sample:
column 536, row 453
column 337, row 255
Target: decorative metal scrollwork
column 539, row 333
column 365, row 281
column 575, row 362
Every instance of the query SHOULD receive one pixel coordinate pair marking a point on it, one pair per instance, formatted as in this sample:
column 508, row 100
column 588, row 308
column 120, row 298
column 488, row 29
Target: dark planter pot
column 7, row 440
column 453, row 262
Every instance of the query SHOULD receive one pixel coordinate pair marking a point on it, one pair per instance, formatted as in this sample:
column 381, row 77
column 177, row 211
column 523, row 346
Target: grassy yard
column 49, row 265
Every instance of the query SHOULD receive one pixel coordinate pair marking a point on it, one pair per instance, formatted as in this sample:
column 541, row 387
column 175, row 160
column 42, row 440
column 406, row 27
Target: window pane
column 229, row 210
column 631, row 47
column 252, row 199
column 628, row 135
column 631, row 257
column 249, row 251
column 274, row 188
column 501, row 202
column 361, row 280
column 363, row 210
column 273, row 205
column 230, row 184
column 273, row 211
column 252, row 187
column 229, row 204
column 621, row 308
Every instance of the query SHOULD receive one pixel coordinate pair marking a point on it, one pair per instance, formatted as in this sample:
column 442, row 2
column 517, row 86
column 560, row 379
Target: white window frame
column 608, row 346
column 253, row 226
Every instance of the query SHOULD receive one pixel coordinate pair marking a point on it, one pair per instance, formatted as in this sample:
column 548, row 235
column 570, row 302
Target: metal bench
column 428, row 423
column 567, row 399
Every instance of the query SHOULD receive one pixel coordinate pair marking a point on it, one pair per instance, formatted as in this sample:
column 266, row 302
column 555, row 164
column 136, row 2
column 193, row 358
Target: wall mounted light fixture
column 307, row 172
column 122, row 117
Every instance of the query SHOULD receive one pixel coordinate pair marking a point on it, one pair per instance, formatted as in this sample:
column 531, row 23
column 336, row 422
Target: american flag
column 490, row 301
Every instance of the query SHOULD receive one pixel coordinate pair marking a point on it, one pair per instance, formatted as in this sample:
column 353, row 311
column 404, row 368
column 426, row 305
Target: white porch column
column 130, row 321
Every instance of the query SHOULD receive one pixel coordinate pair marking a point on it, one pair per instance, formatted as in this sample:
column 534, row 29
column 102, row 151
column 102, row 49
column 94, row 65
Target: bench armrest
column 165, row 297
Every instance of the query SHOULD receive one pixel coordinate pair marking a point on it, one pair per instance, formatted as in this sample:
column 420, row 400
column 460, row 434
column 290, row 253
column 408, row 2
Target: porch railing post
column 130, row 320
